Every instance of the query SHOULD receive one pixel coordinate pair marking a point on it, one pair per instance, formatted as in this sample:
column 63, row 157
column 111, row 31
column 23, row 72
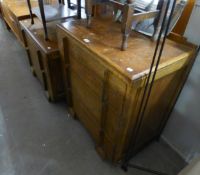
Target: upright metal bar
column 148, row 88
column 145, row 90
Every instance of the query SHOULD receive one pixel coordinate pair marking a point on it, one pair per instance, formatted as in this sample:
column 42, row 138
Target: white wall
column 183, row 129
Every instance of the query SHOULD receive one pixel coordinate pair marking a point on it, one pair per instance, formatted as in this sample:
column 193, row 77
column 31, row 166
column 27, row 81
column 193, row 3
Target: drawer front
column 99, row 92
column 86, row 95
column 36, row 59
column 86, row 76
column 85, row 116
column 87, row 68
column 116, row 96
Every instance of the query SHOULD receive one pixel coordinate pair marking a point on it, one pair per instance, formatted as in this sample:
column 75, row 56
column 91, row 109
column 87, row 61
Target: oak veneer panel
column 44, row 57
column 105, row 96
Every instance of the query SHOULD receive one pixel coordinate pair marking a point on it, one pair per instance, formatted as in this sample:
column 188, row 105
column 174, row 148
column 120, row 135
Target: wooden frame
column 128, row 16
column 42, row 13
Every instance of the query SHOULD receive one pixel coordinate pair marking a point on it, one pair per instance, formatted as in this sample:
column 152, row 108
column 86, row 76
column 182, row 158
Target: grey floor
column 39, row 138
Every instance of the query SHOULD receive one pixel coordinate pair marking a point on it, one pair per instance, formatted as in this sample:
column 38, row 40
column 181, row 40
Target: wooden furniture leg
column 41, row 7
column 88, row 11
column 79, row 9
column 30, row 10
column 128, row 12
column 69, row 4
column 61, row 1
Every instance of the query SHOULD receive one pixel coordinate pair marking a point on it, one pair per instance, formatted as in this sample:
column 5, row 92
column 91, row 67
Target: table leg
column 79, row 9
column 41, row 6
column 61, row 1
column 69, row 3
column 30, row 11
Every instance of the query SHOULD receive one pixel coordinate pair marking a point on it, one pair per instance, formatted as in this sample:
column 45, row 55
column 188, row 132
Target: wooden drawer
column 86, row 95
column 87, row 67
column 85, row 115
column 36, row 60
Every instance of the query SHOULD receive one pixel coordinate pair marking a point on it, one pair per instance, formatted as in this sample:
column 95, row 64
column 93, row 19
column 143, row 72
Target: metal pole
column 148, row 88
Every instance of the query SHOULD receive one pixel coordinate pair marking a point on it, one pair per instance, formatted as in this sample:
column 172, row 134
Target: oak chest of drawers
column 104, row 85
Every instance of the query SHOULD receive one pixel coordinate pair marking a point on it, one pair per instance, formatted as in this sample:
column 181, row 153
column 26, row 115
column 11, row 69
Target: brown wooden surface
column 18, row 7
column 105, row 97
column 105, row 40
column 44, row 57
column 184, row 19
column 13, row 12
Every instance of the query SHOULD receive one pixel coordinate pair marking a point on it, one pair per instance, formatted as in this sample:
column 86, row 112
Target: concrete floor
column 39, row 138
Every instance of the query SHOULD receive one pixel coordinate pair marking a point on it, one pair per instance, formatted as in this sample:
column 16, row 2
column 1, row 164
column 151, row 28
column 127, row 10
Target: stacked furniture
column 43, row 55
column 83, row 60
column 104, row 84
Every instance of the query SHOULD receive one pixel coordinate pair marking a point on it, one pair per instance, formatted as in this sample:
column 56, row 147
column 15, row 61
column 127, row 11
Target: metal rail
column 147, row 92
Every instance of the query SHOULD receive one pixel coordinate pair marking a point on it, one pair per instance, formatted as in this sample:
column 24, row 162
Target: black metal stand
column 79, row 9
column 147, row 92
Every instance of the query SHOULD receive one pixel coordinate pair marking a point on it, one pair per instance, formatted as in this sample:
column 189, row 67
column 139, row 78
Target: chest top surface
column 104, row 39
column 19, row 7
column 36, row 32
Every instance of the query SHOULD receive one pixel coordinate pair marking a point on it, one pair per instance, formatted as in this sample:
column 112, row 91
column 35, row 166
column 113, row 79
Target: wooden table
column 104, row 84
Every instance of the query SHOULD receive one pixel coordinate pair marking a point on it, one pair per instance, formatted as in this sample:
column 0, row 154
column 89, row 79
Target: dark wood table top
column 104, row 39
